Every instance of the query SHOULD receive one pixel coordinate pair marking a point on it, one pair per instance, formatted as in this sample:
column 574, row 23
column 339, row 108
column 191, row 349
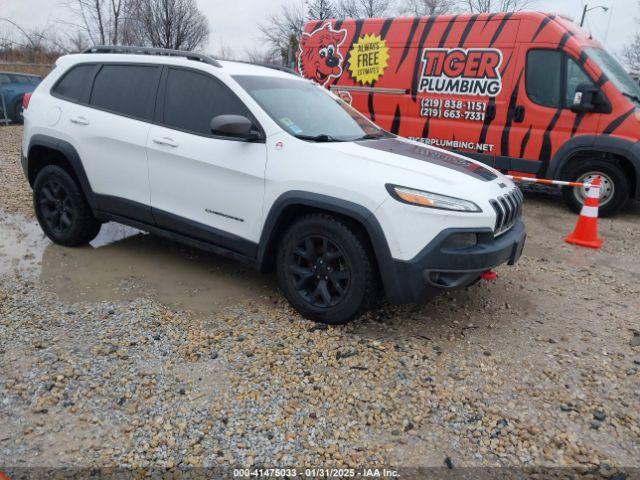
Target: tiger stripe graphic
column 446, row 85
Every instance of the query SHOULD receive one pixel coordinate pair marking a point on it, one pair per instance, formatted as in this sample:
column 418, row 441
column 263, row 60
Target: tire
column 325, row 270
column 61, row 208
column 614, row 194
column 16, row 113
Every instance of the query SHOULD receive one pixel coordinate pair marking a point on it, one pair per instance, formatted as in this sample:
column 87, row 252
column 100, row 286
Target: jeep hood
column 437, row 164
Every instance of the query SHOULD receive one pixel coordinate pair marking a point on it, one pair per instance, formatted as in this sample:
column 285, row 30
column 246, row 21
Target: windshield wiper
column 370, row 136
column 633, row 97
column 322, row 138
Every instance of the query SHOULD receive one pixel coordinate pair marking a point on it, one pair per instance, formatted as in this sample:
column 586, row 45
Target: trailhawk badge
column 474, row 72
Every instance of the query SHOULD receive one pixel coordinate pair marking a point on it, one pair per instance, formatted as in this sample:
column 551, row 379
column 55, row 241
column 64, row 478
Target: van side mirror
column 588, row 98
column 236, row 126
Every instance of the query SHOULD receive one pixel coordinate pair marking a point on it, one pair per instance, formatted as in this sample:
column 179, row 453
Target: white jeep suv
column 263, row 166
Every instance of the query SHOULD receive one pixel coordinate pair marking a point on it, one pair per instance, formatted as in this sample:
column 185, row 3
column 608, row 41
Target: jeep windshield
column 615, row 72
column 308, row 111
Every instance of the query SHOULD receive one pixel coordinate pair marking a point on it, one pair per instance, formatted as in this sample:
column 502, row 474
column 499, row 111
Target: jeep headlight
column 431, row 200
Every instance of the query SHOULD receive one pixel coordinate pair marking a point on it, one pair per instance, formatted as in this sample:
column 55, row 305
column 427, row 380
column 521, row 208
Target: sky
column 235, row 22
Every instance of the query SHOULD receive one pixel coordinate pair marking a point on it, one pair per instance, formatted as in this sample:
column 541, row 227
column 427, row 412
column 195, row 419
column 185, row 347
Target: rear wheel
column 62, row 210
column 325, row 270
column 614, row 192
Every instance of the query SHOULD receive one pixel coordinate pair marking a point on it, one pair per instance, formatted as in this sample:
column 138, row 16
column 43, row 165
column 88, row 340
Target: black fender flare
column 595, row 143
column 354, row 211
column 71, row 154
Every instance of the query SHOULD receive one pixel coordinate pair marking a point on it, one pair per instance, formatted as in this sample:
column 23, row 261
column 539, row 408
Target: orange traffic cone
column 586, row 231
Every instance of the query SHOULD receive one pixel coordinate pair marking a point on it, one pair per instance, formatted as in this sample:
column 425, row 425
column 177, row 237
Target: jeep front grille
column 508, row 210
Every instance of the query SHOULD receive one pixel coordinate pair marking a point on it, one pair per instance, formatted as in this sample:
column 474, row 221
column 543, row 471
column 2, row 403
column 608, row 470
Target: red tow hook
column 489, row 276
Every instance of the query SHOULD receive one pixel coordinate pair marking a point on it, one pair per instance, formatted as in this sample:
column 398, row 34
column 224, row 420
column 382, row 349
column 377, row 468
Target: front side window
column 576, row 76
column 75, row 83
column 308, row 111
column 126, row 90
column 552, row 78
column 193, row 99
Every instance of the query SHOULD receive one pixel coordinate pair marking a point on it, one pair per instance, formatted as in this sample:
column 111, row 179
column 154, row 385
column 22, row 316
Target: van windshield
column 615, row 72
column 308, row 111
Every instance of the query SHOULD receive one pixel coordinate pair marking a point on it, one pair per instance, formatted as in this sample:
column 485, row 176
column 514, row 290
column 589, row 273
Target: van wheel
column 62, row 210
column 324, row 270
column 614, row 193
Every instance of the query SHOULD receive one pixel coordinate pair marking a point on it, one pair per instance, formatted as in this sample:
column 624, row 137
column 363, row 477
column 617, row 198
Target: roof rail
column 131, row 50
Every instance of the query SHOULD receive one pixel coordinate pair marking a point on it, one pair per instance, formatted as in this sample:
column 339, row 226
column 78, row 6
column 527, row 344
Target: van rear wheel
column 614, row 193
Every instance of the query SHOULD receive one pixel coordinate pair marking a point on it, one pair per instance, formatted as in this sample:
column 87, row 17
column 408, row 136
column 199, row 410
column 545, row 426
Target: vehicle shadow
column 124, row 263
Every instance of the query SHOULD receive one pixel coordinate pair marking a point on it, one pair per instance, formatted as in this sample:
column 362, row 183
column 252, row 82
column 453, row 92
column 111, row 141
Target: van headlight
column 421, row 198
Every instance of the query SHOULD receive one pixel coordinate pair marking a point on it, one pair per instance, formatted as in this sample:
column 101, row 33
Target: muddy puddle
column 123, row 263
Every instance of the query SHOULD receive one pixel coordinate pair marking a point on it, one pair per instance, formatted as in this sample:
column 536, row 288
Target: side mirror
column 588, row 98
column 236, row 126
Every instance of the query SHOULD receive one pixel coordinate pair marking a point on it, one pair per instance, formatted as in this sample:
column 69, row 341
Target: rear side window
column 193, row 99
column 75, row 83
column 126, row 90
column 544, row 77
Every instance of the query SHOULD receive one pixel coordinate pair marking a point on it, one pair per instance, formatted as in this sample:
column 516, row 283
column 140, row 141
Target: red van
column 528, row 93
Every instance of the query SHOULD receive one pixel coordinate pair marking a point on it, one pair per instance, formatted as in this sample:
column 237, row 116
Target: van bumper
column 439, row 267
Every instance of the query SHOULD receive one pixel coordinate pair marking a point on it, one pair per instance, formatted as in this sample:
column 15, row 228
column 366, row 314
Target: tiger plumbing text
column 475, row 71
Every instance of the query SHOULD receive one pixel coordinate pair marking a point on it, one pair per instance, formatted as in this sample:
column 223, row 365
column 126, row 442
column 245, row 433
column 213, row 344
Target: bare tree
column 173, row 24
column 483, row 6
column 223, row 50
column 631, row 53
column 282, row 31
column 421, row 8
column 99, row 20
column 320, row 9
column 363, row 8
column 256, row 55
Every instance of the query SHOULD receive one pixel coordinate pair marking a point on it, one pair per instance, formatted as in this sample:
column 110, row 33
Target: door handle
column 79, row 120
column 518, row 114
column 169, row 142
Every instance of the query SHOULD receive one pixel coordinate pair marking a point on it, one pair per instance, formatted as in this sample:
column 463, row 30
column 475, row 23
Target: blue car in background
column 13, row 86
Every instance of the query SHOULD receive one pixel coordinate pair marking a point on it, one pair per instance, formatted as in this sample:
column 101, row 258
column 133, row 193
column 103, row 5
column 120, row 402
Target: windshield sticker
column 295, row 129
column 473, row 72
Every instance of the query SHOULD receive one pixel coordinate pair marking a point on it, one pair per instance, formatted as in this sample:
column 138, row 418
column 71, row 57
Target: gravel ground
column 101, row 366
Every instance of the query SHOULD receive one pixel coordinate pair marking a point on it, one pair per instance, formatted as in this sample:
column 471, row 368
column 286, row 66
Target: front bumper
column 439, row 268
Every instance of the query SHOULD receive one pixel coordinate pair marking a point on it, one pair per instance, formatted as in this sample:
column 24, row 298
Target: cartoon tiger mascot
column 319, row 58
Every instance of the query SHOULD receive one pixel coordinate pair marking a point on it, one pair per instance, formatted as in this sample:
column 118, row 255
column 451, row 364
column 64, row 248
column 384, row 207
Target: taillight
column 25, row 100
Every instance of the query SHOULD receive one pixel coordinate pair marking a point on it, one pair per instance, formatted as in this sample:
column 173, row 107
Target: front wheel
column 614, row 193
column 325, row 270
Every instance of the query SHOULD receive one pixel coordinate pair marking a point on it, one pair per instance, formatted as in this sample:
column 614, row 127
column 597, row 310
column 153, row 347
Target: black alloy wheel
column 326, row 269
column 55, row 203
column 321, row 271
column 62, row 209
